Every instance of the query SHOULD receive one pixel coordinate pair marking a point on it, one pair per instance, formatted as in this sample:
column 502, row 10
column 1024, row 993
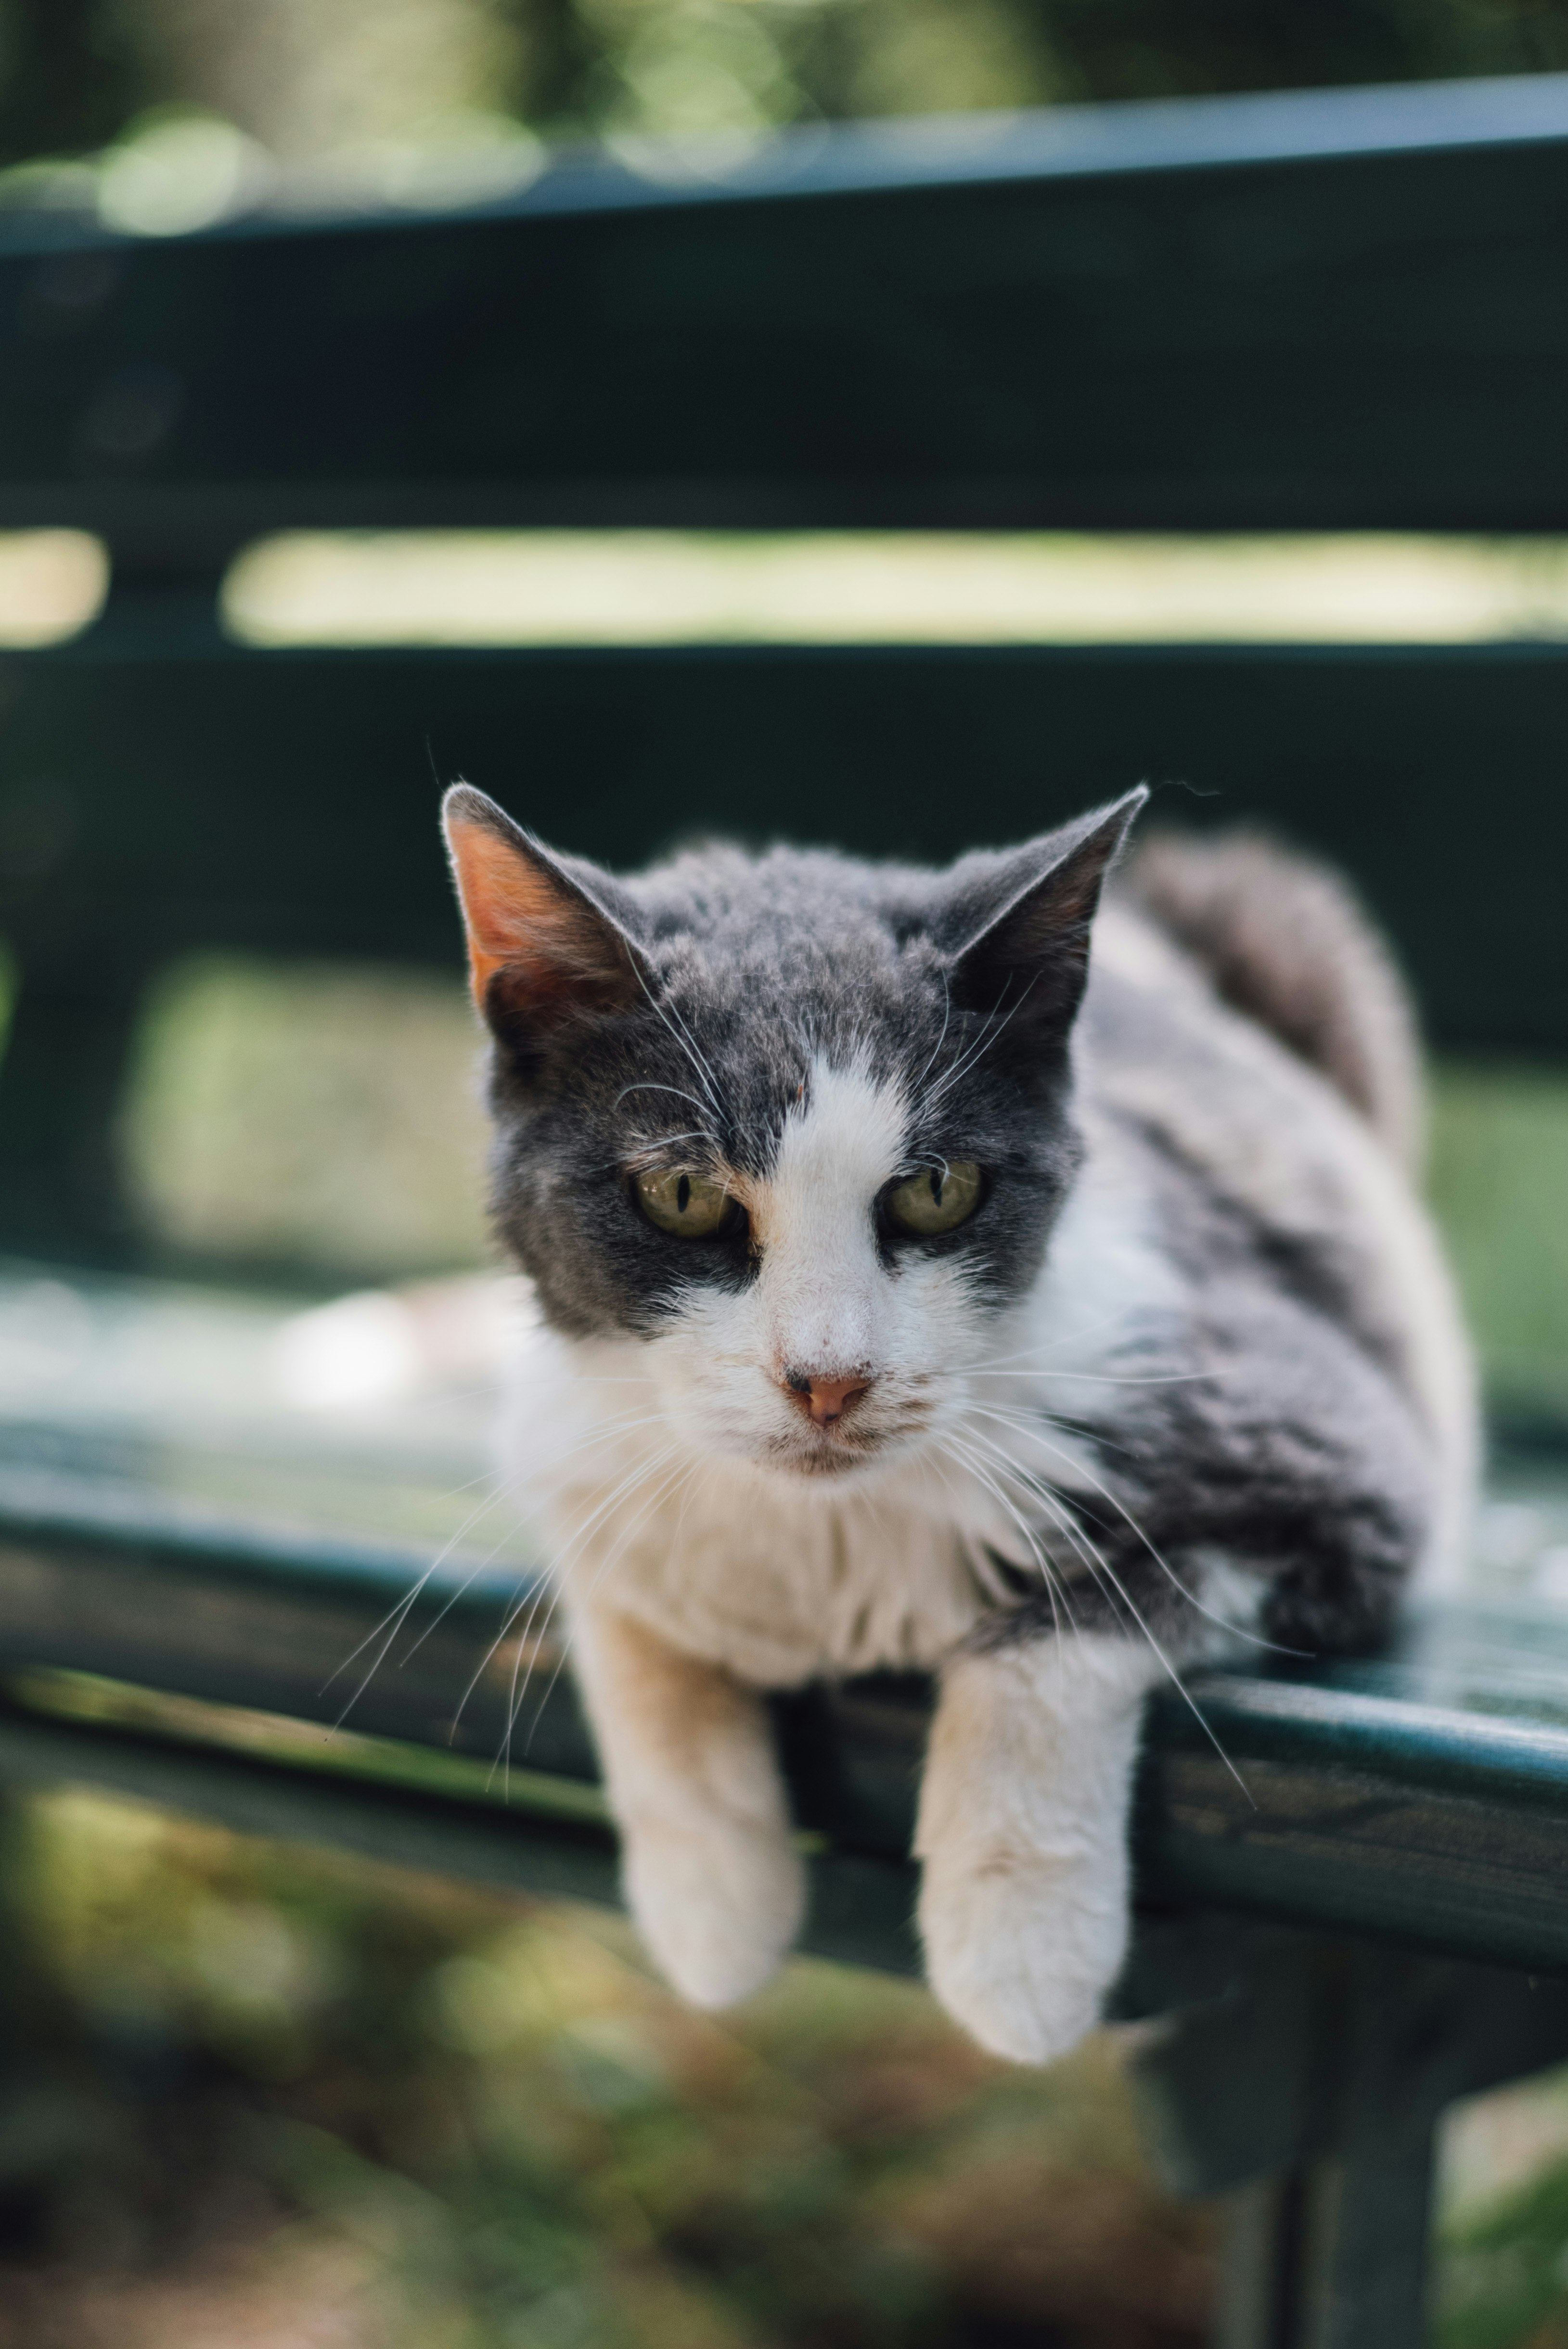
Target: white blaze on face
column 822, row 1287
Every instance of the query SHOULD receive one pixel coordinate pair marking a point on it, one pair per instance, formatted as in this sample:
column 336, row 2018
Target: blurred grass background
column 1499, row 1187
column 325, row 2101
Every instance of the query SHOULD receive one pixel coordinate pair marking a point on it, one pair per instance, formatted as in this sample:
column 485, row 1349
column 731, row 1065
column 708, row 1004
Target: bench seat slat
column 1423, row 1794
column 121, row 1585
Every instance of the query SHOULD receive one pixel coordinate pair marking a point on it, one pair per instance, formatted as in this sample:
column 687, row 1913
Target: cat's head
column 800, row 1126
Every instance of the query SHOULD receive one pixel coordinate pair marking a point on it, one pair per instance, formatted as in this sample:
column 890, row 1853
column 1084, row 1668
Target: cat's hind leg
column 711, row 1873
column 1022, row 1836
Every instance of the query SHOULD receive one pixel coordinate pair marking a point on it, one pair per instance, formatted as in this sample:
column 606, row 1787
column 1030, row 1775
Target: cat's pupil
column 937, row 1188
column 683, row 1193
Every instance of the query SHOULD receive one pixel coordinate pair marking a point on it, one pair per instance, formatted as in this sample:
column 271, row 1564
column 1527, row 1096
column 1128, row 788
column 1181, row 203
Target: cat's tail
column 1285, row 941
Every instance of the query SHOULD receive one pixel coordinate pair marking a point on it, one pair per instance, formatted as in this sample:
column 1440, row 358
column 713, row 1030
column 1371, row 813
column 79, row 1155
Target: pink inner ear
column 533, row 945
column 510, row 911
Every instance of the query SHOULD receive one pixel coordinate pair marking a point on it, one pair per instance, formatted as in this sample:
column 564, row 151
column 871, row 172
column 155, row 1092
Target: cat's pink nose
column 825, row 1401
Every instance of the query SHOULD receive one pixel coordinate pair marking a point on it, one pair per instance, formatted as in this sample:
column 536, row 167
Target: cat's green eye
column 694, row 1206
column 938, row 1199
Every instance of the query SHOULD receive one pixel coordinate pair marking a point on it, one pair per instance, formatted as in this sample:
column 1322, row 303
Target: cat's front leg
column 1022, row 1836
column 711, row 1873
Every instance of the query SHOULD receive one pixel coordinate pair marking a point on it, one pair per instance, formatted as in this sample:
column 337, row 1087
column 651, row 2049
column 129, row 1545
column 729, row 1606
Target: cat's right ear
column 546, row 941
column 1026, row 958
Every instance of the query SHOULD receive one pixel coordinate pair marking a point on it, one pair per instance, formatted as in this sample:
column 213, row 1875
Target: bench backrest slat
column 285, row 802
column 1168, row 318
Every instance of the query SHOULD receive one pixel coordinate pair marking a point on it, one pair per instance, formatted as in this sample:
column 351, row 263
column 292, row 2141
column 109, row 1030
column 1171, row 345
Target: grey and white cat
column 921, row 1291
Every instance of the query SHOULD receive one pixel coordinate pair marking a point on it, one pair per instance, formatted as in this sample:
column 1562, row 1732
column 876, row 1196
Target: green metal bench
column 1346, row 312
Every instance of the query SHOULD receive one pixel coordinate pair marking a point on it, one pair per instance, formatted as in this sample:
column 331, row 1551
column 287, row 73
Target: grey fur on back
column 1284, row 940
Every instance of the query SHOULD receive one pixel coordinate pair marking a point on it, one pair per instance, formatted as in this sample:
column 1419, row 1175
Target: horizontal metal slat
column 284, row 802
column 1349, row 311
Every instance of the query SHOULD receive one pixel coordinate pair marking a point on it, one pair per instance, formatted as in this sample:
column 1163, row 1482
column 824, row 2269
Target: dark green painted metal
column 1301, row 312
column 286, row 801
column 101, row 1577
column 67, row 1048
column 1423, row 1795
column 1311, row 2075
column 162, row 791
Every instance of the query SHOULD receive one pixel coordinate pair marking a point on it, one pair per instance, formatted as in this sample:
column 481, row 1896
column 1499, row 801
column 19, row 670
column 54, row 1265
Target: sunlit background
column 170, row 112
column 251, row 2095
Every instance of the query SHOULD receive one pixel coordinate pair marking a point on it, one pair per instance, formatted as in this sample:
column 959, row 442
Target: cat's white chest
column 778, row 1579
column 779, row 1588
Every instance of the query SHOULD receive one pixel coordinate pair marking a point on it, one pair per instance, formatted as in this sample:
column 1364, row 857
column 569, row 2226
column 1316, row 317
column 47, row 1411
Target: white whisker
column 550, row 1580
column 519, row 1691
column 671, row 1018
column 1221, row 1622
column 671, row 1483
column 393, row 1621
column 976, row 1469
column 1102, row 1565
column 1098, row 1378
column 545, row 1581
column 935, row 1052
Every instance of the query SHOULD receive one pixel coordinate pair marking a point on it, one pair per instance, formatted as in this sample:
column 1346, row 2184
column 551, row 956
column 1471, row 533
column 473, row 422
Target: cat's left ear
column 550, row 938
column 1026, row 957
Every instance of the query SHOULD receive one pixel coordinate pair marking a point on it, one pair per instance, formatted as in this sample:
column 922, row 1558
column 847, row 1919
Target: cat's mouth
column 829, row 1457
column 838, row 1452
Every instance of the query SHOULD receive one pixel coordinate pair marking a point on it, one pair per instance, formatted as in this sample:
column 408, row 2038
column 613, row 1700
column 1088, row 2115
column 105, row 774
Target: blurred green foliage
column 1504, row 2274
column 1500, row 1187
column 75, row 73
column 264, row 2096
column 319, row 1117
column 476, row 2123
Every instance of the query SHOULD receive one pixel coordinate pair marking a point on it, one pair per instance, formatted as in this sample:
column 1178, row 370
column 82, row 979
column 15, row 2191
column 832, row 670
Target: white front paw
column 718, row 1906
column 1021, row 1950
